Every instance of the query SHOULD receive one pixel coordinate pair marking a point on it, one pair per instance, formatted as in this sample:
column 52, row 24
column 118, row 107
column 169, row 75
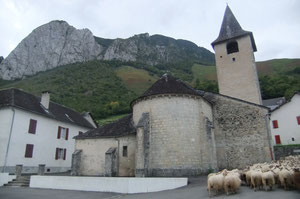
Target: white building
column 285, row 122
column 35, row 131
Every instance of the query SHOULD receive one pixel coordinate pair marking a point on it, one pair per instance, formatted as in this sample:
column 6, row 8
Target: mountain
column 57, row 43
column 106, row 88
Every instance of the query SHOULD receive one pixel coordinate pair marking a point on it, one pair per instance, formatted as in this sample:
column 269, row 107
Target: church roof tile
column 231, row 29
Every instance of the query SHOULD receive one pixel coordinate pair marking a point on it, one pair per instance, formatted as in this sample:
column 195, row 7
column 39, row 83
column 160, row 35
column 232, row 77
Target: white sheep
column 256, row 180
column 275, row 171
column 215, row 182
column 248, row 178
column 286, row 178
column 268, row 180
column 232, row 182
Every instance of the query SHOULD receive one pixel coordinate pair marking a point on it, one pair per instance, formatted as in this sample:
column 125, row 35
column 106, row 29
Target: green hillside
column 106, row 88
column 91, row 86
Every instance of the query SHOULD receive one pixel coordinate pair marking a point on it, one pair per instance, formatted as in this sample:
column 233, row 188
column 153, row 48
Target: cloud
column 275, row 24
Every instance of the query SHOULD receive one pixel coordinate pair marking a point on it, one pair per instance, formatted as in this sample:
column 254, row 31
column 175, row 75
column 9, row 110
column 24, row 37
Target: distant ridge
column 57, row 43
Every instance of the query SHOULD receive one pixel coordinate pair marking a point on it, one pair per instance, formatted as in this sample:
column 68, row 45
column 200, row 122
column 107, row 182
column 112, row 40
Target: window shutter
column 67, row 133
column 277, row 139
column 56, row 153
column 275, row 124
column 298, row 120
column 65, row 153
column 32, row 126
column 59, row 131
column 29, row 151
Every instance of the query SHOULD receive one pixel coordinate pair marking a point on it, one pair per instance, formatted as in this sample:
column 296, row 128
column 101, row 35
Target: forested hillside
column 106, row 88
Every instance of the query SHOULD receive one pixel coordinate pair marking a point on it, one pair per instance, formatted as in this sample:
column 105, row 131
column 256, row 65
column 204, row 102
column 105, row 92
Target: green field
column 136, row 80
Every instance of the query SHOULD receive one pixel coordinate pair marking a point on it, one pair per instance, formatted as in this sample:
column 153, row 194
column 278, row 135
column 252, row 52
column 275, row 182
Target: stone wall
column 93, row 155
column 282, row 151
column 241, row 133
column 127, row 163
column 179, row 144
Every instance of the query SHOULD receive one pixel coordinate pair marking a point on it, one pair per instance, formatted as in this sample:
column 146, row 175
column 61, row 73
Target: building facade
column 35, row 131
column 285, row 122
column 175, row 130
column 235, row 62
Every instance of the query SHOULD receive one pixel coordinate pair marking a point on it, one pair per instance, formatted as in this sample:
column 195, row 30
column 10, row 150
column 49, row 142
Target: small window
column 60, row 154
column 125, row 151
column 233, row 59
column 275, row 124
column 29, row 151
column 32, row 126
column 63, row 133
column 293, row 139
column 277, row 139
column 298, row 120
column 232, row 47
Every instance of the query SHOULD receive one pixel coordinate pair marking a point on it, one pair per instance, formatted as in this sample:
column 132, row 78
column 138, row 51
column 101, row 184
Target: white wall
column 44, row 140
column 6, row 115
column 5, row 178
column 287, row 122
column 177, row 131
column 107, row 184
column 93, row 155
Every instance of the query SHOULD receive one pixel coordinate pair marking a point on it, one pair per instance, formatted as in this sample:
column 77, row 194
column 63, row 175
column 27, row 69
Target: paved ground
column 195, row 190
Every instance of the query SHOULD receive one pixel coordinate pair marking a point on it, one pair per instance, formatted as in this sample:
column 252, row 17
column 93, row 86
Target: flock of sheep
column 285, row 173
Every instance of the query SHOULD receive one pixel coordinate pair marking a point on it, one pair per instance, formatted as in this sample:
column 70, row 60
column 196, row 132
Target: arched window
column 232, row 47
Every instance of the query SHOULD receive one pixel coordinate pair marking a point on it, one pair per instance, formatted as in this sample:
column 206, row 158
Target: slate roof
column 231, row 29
column 286, row 101
column 119, row 128
column 168, row 84
column 20, row 99
column 273, row 103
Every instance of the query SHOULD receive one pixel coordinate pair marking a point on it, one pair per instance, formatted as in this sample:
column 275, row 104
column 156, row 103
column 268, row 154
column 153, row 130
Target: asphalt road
column 195, row 190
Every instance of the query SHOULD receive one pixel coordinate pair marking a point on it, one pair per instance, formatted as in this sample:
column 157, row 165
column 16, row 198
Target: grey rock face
column 1, row 59
column 57, row 43
column 48, row 46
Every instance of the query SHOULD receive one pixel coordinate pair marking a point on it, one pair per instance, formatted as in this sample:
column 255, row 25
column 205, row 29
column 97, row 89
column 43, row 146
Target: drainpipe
column 267, row 120
column 9, row 138
column 118, row 156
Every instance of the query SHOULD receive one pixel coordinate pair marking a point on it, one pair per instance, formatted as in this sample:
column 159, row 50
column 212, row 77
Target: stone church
column 175, row 130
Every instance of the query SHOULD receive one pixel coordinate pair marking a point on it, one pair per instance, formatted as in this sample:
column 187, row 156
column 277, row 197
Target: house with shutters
column 35, row 131
column 285, row 122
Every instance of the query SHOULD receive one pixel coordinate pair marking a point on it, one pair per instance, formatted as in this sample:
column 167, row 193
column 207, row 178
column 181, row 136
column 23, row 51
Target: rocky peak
column 1, row 59
column 48, row 46
column 57, row 43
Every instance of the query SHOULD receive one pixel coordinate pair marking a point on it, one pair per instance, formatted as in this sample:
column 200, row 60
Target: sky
column 275, row 23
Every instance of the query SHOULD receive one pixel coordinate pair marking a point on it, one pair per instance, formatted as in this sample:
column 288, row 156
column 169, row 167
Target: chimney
column 45, row 99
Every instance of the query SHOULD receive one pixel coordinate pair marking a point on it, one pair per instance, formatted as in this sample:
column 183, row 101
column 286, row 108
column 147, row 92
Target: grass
column 277, row 66
column 203, row 72
column 136, row 80
column 110, row 119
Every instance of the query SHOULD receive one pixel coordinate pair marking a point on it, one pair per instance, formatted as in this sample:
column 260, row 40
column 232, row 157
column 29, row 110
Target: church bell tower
column 236, row 68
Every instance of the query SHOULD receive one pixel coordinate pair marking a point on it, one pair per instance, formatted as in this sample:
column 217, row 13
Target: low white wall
column 5, row 178
column 107, row 184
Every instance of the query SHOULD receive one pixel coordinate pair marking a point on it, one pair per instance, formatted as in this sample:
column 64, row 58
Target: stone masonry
column 241, row 133
column 178, row 135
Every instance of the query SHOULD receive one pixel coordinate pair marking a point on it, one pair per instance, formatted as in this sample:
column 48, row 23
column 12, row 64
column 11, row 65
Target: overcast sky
column 274, row 23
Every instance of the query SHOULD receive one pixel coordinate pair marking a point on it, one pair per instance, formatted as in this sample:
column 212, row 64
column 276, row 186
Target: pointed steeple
column 231, row 29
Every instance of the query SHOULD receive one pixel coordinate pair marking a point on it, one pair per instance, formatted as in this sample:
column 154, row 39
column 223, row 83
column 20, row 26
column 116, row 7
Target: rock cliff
column 57, row 43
